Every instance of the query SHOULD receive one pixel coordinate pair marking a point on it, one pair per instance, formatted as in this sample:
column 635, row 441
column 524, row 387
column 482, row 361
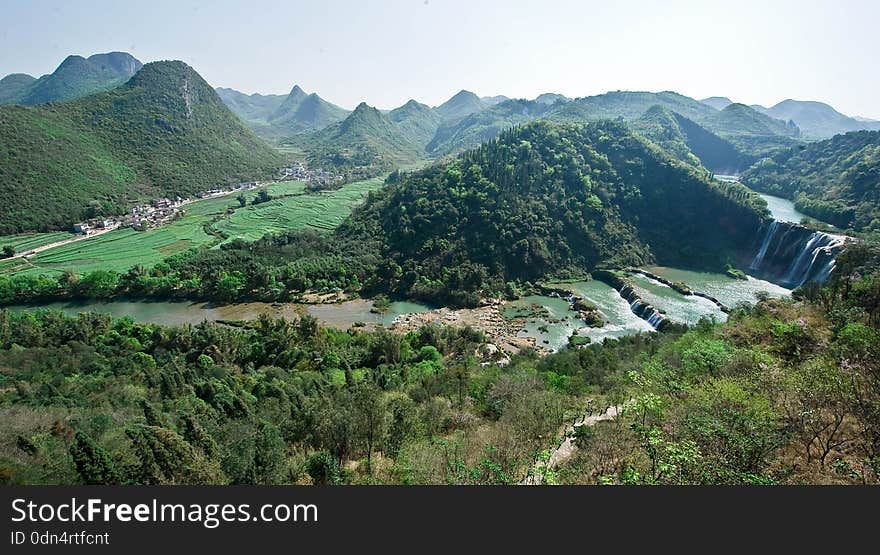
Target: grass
column 122, row 249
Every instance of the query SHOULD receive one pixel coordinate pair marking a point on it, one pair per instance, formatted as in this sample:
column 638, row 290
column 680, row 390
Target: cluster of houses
column 300, row 173
column 143, row 216
column 157, row 212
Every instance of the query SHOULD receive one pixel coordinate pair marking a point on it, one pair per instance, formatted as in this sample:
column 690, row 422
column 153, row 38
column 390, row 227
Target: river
column 550, row 327
column 782, row 209
column 340, row 315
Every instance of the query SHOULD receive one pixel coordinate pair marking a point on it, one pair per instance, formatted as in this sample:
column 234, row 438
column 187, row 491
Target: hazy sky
column 386, row 52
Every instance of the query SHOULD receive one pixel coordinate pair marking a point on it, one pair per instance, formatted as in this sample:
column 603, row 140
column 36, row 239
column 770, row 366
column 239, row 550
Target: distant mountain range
column 145, row 153
column 278, row 116
column 74, row 78
column 816, row 120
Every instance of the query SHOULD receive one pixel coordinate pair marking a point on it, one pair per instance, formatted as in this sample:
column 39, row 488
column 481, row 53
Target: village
column 299, row 172
column 156, row 213
column 161, row 211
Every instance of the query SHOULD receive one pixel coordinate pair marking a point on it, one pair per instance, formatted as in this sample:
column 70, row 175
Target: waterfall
column 762, row 252
column 804, row 268
column 646, row 312
column 790, row 254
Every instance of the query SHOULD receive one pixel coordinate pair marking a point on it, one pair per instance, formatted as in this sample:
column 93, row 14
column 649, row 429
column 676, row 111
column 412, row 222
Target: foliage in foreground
column 787, row 392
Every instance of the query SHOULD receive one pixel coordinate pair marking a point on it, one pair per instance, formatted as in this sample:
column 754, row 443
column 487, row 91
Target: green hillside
column 416, row 121
column 836, row 180
column 482, row 126
column 462, row 104
column 14, row 87
column 548, row 199
column 817, row 119
column 301, row 112
column 689, row 142
column 165, row 132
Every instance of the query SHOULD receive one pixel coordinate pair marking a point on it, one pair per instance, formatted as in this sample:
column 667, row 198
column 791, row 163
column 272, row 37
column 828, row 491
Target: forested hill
column 690, row 142
column 547, row 198
column 164, row 132
column 836, row 180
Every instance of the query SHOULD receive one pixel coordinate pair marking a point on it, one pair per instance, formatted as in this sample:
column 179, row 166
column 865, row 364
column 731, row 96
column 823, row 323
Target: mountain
column 816, row 119
column 689, row 142
column 717, row 102
column 366, row 138
column 290, row 104
column 312, row 113
column 551, row 98
column 463, row 104
column 493, row 100
column 417, row 121
column 836, row 180
column 163, row 133
column 14, row 87
column 74, row 78
column 753, row 133
column 275, row 117
column 253, row 108
column 457, row 135
column 548, row 199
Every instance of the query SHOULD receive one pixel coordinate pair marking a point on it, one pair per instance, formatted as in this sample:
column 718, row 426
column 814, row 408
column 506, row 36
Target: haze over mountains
column 816, row 120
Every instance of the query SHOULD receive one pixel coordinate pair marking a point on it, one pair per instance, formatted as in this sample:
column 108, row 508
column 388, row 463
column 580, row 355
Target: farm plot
column 324, row 211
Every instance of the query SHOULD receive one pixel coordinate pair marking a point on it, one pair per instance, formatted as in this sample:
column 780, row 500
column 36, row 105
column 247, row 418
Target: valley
column 432, row 294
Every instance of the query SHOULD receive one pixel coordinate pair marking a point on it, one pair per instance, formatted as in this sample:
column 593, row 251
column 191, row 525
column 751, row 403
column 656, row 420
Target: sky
column 386, row 52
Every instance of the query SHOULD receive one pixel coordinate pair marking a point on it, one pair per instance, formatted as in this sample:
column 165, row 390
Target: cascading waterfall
column 821, row 246
column 791, row 255
column 646, row 312
column 765, row 244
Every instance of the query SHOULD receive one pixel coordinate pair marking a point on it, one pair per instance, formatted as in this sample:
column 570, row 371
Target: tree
column 8, row 251
column 262, row 196
column 370, row 418
column 323, row 468
column 242, row 200
column 93, row 463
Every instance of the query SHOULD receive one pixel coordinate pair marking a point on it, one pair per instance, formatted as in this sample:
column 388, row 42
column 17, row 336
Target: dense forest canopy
column 836, row 180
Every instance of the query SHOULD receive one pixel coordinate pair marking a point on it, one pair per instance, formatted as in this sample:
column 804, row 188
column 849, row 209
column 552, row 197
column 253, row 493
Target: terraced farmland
column 324, row 210
column 122, row 249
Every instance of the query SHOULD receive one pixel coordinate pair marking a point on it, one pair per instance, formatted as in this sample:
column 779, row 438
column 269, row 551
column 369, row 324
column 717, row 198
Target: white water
column 762, row 252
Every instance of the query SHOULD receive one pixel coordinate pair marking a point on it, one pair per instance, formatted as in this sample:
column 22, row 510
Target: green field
column 324, row 210
column 27, row 241
column 122, row 249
